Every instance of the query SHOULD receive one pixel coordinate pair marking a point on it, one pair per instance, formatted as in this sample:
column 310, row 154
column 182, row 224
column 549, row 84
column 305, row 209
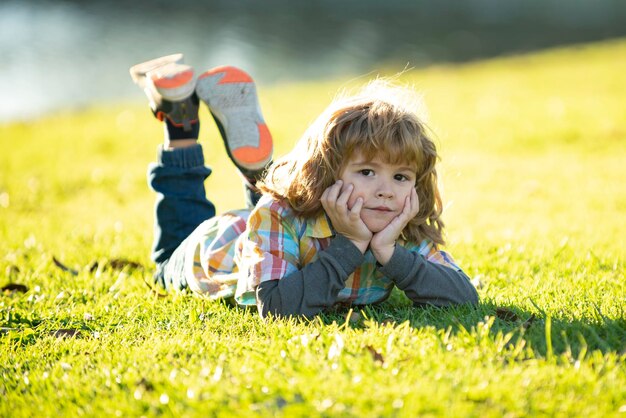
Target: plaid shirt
column 210, row 267
column 276, row 243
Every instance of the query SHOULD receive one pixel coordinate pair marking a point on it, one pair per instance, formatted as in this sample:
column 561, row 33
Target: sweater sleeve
column 313, row 288
column 428, row 283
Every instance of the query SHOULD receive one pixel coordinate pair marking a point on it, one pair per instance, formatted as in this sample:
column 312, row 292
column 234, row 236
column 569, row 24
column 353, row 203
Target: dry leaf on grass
column 64, row 267
column 15, row 287
column 506, row 314
column 66, row 333
column 376, row 356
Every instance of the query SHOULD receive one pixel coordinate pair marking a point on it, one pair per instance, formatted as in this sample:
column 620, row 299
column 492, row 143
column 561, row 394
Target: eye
column 367, row 172
column 401, row 177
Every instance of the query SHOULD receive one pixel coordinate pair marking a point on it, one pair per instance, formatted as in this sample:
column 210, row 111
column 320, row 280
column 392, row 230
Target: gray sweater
column 315, row 287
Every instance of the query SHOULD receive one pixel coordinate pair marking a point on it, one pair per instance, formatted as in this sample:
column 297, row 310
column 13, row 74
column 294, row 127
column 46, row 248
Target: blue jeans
column 181, row 206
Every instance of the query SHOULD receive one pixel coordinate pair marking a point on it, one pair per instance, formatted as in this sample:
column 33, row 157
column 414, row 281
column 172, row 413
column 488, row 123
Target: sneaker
column 231, row 97
column 170, row 87
column 139, row 72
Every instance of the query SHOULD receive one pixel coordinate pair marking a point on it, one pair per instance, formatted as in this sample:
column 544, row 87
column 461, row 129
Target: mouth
column 381, row 209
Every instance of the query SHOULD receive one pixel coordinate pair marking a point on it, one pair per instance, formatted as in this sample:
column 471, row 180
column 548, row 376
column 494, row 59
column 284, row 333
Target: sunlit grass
column 533, row 152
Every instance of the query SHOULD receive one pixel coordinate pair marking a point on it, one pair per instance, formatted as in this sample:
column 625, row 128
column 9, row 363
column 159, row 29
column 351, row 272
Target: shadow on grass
column 545, row 336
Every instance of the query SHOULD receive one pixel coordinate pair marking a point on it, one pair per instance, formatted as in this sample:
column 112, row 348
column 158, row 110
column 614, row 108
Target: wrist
column 383, row 254
column 361, row 245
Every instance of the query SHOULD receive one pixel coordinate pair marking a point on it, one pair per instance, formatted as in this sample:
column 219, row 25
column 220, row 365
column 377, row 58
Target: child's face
column 382, row 186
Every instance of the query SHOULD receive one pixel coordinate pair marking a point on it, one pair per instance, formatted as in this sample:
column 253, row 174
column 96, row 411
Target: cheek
column 402, row 195
column 352, row 200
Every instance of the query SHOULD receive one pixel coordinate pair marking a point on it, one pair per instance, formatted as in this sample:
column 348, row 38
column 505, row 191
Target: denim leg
column 181, row 205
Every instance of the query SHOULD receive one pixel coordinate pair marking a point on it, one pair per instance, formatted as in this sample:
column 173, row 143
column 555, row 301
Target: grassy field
column 534, row 174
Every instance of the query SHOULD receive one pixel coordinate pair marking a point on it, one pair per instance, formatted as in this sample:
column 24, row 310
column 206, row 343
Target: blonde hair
column 378, row 123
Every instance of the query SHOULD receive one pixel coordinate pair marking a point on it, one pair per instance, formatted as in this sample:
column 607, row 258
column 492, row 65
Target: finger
column 355, row 212
column 415, row 202
column 400, row 218
column 344, row 196
column 334, row 191
column 324, row 194
column 407, row 209
column 406, row 206
column 324, row 197
column 403, row 217
column 331, row 193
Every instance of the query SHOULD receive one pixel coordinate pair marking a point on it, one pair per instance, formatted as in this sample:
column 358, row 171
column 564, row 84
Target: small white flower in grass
column 390, row 341
column 30, row 242
column 397, row 403
column 325, row 404
column 138, row 393
column 164, row 399
column 304, row 339
column 336, row 347
column 218, row 374
column 622, row 408
column 477, row 281
column 4, row 200
column 88, row 316
column 66, row 366
column 190, row 393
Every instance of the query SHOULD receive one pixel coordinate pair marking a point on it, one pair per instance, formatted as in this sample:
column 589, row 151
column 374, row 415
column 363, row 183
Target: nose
column 384, row 191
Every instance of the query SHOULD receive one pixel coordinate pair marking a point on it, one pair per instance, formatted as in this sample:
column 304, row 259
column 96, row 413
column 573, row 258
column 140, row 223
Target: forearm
column 427, row 283
column 314, row 287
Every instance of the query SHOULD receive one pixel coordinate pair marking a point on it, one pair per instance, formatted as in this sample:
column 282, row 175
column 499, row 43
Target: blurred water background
column 59, row 54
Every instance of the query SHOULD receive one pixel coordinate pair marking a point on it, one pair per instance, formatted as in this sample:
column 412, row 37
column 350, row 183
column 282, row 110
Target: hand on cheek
column 346, row 221
column 383, row 242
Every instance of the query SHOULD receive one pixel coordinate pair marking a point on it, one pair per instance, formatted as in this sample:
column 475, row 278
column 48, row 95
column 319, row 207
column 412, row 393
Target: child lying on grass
column 351, row 212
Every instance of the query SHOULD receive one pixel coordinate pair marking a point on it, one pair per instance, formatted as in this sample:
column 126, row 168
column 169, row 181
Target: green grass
column 533, row 152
